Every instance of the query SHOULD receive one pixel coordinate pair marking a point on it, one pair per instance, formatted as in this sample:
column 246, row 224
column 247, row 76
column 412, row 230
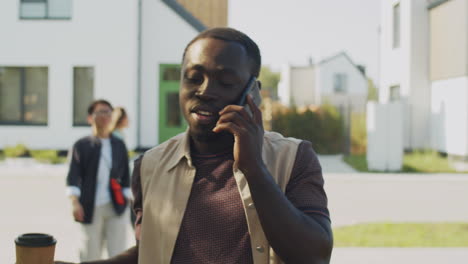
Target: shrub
column 47, row 156
column 19, row 150
column 358, row 134
column 322, row 126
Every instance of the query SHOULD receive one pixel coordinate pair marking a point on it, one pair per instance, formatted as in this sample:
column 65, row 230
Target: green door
column 171, row 121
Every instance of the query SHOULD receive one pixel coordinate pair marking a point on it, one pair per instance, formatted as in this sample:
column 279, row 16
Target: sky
column 292, row 31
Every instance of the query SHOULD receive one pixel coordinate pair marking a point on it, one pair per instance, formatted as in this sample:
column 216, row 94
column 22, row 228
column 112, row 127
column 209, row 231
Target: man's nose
column 207, row 90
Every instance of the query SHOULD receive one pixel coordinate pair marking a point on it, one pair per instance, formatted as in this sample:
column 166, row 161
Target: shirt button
column 251, row 206
column 259, row 249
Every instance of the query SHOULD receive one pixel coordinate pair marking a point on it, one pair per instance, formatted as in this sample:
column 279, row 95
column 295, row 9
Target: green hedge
column 358, row 134
column 45, row 156
column 323, row 127
column 48, row 156
column 19, row 150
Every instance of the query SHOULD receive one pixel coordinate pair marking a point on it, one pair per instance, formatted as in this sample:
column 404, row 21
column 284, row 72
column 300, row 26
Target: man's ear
column 90, row 119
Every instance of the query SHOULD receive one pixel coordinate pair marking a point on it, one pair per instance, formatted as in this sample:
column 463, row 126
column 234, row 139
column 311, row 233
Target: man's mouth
column 204, row 116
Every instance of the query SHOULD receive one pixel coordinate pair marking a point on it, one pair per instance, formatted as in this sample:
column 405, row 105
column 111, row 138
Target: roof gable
column 345, row 55
column 185, row 15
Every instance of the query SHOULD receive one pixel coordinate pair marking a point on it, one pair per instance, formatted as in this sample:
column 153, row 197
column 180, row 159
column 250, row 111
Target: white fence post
column 384, row 136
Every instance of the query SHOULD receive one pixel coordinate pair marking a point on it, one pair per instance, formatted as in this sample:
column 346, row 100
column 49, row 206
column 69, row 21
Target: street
column 34, row 201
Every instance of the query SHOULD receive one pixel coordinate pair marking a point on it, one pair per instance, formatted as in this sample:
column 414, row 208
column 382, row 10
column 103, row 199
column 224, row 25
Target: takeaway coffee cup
column 35, row 248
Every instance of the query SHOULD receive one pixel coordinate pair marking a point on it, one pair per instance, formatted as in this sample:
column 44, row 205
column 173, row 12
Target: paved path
column 33, row 201
column 335, row 164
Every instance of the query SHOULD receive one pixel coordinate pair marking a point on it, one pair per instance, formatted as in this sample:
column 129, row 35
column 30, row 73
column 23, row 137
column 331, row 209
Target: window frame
column 22, row 122
column 46, row 16
column 343, row 79
column 81, row 124
column 396, row 26
column 394, row 94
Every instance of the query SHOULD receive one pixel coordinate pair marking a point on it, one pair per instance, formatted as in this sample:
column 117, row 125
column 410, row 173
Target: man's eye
column 227, row 84
column 194, row 79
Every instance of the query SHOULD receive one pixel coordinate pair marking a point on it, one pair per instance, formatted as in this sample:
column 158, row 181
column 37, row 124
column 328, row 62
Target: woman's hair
column 118, row 116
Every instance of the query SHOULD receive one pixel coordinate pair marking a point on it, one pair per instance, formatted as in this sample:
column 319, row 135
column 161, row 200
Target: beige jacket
column 167, row 175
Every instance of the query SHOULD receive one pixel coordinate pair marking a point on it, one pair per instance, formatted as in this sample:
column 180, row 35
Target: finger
column 235, row 117
column 256, row 113
column 77, row 217
column 229, row 127
column 80, row 215
column 235, row 108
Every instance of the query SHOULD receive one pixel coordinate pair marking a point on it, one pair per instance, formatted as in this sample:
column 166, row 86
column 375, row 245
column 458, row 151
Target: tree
column 270, row 80
column 372, row 92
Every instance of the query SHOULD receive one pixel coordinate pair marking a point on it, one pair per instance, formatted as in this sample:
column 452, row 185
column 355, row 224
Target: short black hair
column 92, row 106
column 230, row 34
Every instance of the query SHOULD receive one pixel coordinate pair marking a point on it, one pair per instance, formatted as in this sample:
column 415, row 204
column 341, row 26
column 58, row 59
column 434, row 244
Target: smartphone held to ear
column 252, row 89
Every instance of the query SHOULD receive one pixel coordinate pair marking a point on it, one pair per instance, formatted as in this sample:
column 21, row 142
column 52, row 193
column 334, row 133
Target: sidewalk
column 33, row 201
column 377, row 197
column 334, row 164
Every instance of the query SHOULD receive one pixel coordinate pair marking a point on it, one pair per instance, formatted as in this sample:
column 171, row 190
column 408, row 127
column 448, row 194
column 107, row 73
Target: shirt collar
column 181, row 151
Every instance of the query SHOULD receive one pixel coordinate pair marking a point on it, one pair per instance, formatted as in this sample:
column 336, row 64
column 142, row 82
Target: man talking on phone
column 226, row 191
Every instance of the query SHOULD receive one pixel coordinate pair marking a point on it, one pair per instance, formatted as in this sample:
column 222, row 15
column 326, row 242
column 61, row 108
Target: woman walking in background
column 119, row 122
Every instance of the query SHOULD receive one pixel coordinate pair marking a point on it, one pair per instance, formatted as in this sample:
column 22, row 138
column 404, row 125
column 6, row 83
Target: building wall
column 284, row 85
column 394, row 61
column 302, row 86
column 356, row 84
column 450, row 116
column 449, row 40
column 407, row 66
column 92, row 37
column 449, row 75
column 212, row 13
column 420, row 91
column 165, row 35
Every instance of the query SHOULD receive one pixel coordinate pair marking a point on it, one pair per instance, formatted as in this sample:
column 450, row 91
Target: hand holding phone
column 248, row 132
column 252, row 89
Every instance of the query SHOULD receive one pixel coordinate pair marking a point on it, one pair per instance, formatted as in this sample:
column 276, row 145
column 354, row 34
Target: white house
column 342, row 83
column 336, row 80
column 58, row 55
column 424, row 64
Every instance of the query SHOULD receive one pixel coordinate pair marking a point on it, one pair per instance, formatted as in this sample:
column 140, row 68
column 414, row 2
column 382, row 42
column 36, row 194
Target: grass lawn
column 417, row 161
column 402, row 235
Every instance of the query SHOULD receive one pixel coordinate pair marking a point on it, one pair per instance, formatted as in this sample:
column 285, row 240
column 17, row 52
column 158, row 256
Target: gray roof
column 344, row 54
column 186, row 15
column 435, row 3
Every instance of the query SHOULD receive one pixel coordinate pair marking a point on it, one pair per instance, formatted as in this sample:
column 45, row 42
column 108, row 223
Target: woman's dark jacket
column 84, row 164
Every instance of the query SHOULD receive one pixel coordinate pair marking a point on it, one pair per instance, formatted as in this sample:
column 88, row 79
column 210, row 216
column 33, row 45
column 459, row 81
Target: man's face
column 214, row 74
column 101, row 116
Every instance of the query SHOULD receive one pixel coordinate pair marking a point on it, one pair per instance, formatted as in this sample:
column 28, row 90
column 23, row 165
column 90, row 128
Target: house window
column 83, row 94
column 396, row 26
column 23, row 95
column 171, row 74
column 173, row 110
column 45, row 9
column 395, row 93
column 339, row 83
